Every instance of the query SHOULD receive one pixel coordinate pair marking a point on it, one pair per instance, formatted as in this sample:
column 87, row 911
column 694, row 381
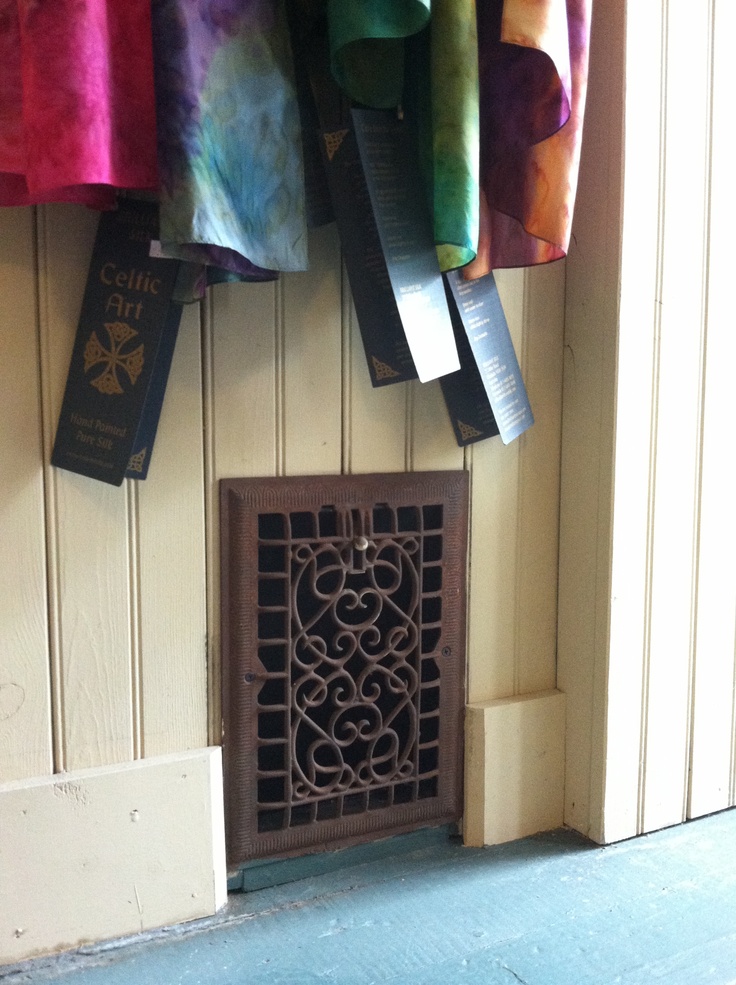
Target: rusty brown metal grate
column 343, row 612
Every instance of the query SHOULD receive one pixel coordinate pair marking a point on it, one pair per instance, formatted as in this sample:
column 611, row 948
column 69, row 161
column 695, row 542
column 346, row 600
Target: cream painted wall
column 109, row 648
column 109, row 597
column 648, row 535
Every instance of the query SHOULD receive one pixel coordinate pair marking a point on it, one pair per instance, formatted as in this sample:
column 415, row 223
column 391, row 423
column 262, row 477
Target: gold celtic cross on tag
column 119, row 333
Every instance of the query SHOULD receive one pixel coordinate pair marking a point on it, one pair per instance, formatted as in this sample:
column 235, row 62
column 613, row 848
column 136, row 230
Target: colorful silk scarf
column 533, row 58
column 77, row 117
column 77, row 114
column 232, row 184
column 367, row 46
column 454, row 131
column 422, row 54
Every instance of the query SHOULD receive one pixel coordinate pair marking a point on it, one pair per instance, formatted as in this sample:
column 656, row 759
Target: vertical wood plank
column 492, row 589
column 241, row 379
column 312, row 426
column 712, row 758
column 677, row 424
column 25, row 712
column 431, row 445
column 493, row 543
column 172, row 562
column 540, row 355
column 432, row 442
column 88, row 534
column 241, row 424
column 375, row 428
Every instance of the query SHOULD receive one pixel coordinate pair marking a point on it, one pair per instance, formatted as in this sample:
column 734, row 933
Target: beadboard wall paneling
column 94, row 656
column 243, row 414
column 515, row 492
column 432, row 442
column 311, row 357
column 267, row 379
column 495, row 521
column 25, row 697
column 109, row 598
column 540, row 352
column 170, row 573
column 376, row 435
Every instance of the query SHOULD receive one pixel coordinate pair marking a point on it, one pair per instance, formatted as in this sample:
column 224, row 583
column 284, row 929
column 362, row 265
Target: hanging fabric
column 77, row 112
column 455, row 131
column 367, row 46
column 442, row 85
column 421, row 55
column 533, row 57
column 230, row 162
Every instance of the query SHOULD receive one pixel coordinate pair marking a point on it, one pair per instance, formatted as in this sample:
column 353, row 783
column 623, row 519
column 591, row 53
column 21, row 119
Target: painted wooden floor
column 548, row 910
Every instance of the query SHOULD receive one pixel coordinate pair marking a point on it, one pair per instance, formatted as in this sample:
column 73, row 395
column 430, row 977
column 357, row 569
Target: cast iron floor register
column 343, row 631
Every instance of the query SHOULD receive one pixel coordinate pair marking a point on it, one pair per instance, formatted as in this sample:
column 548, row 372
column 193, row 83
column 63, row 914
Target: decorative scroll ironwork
column 345, row 656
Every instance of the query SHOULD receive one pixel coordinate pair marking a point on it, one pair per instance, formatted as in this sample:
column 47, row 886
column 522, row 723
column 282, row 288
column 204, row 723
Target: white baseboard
column 514, row 767
column 107, row 852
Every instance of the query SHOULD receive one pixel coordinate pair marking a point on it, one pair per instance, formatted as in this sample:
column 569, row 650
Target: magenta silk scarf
column 77, row 112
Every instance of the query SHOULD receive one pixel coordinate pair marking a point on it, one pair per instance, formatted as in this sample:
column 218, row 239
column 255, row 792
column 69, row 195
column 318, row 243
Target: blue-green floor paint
column 548, row 910
column 275, row 872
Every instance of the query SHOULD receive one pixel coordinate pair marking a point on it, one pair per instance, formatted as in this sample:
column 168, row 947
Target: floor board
column 548, row 910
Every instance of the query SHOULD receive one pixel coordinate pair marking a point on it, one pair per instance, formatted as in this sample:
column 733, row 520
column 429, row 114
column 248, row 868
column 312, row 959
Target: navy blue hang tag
column 384, row 342
column 390, row 160
column 126, row 306
column 488, row 396
column 140, row 456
